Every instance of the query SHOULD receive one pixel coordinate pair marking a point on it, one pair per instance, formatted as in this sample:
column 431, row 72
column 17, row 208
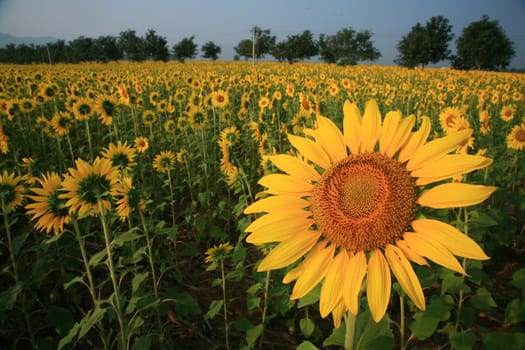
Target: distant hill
column 10, row 39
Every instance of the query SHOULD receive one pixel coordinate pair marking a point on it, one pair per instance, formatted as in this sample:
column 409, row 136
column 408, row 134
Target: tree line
column 483, row 44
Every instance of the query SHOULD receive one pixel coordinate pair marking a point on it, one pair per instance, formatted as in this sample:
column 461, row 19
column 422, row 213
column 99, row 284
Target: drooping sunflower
column 217, row 252
column 61, row 123
column 121, row 155
column 349, row 208
column 516, row 137
column 87, row 183
column 49, row 211
column 127, row 198
column 164, row 161
column 11, row 191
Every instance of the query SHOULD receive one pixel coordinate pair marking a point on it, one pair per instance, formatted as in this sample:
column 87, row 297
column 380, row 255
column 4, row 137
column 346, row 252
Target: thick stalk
column 224, row 305
column 350, row 322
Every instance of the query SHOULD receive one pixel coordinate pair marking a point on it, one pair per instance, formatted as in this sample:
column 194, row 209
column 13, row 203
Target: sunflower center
column 520, row 135
column 364, row 202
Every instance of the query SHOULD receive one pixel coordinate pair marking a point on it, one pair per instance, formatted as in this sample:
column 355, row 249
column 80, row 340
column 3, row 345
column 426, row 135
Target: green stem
column 85, row 260
column 111, row 267
column 464, row 263
column 172, row 199
column 224, row 305
column 402, row 322
column 15, row 271
column 86, row 122
column 265, row 307
column 350, row 322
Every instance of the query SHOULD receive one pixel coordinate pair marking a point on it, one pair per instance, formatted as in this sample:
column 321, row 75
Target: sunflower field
column 133, row 199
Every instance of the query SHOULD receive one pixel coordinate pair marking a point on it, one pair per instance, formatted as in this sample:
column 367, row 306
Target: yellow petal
column 405, row 275
column 331, row 139
column 378, row 285
column 433, row 250
column 410, row 254
column 338, row 312
column 332, row 290
column 403, row 133
column 455, row 195
column 310, row 150
column 274, row 204
column 453, row 239
column 389, row 130
column 285, row 184
column 295, row 167
column 278, row 230
column 449, row 166
column 371, row 126
column 415, row 140
column 287, row 252
column 354, row 275
column 352, row 127
column 295, row 273
column 437, row 148
column 315, row 265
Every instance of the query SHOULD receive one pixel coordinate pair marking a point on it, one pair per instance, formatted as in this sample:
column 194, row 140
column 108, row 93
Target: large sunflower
column 348, row 205
column 88, row 183
column 48, row 210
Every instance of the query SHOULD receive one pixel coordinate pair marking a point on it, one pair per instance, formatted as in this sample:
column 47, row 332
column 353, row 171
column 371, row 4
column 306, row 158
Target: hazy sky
column 226, row 22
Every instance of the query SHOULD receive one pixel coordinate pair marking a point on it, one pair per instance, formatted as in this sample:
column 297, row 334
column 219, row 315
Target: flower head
column 164, row 161
column 347, row 205
column 121, row 155
column 516, row 137
column 217, row 252
column 49, row 211
column 11, row 191
column 141, row 144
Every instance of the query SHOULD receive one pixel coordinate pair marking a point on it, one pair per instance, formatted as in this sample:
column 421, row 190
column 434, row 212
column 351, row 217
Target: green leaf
column 18, row 241
column 481, row 219
column 76, row 279
column 515, row 311
column 337, row 337
column 97, row 258
column 464, row 340
column 214, row 309
column 424, row 327
column 122, row 238
column 311, row 297
column 426, row 322
column 253, row 302
column 142, row 343
column 370, row 335
column 137, row 281
column 482, row 300
column 183, row 303
column 307, row 327
column 504, row 340
column 9, row 296
column 81, row 328
column 518, row 279
column 239, row 253
column 306, row 345
column 252, row 334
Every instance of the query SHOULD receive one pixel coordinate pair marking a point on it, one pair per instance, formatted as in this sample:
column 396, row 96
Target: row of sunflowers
column 173, row 204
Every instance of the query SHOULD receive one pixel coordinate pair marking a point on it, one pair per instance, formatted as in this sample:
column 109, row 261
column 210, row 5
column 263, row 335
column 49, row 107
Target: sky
column 226, row 22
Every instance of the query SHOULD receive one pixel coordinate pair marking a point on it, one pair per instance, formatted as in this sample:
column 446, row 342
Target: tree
column 347, row 47
column 108, row 48
column 244, row 49
column 132, row 46
column 483, row 45
column 185, row 49
column 156, row 46
column 426, row 44
column 210, row 50
column 295, row 48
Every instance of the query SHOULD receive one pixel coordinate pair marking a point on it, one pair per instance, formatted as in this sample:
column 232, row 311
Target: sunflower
column 484, row 120
column 87, row 184
column 120, row 155
column 352, row 214
column 106, row 107
column 219, row 98
column 182, row 156
column 507, row 113
column 516, row 137
column 4, row 140
column 217, row 252
column 141, row 144
column 48, row 210
column 61, row 122
column 230, row 135
column 149, row 117
column 448, row 117
column 164, row 161
column 264, row 102
column 197, row 118
column 11, row 191
column 128, row 198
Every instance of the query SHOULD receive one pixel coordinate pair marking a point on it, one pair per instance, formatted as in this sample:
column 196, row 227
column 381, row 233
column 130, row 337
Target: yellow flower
column 516, row 137
column 448, row 118
column 4, row 141
column 48, row 210
column 349, row 209
column 61, row 122
column 11, row 191
column 217, row 253
column 219, row 99
column 507, row 113
column 141, row 144
column 87, row 184
column 128, row 198
column 120, row 155
column 164, row 161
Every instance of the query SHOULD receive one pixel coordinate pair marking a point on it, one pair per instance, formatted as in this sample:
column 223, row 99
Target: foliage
column 185, row 49
column 347, row 47
column 210, row 50
column 58, row 290
column 426, row 44
column 295, row 48
column 156, row 46
column 483, row 45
